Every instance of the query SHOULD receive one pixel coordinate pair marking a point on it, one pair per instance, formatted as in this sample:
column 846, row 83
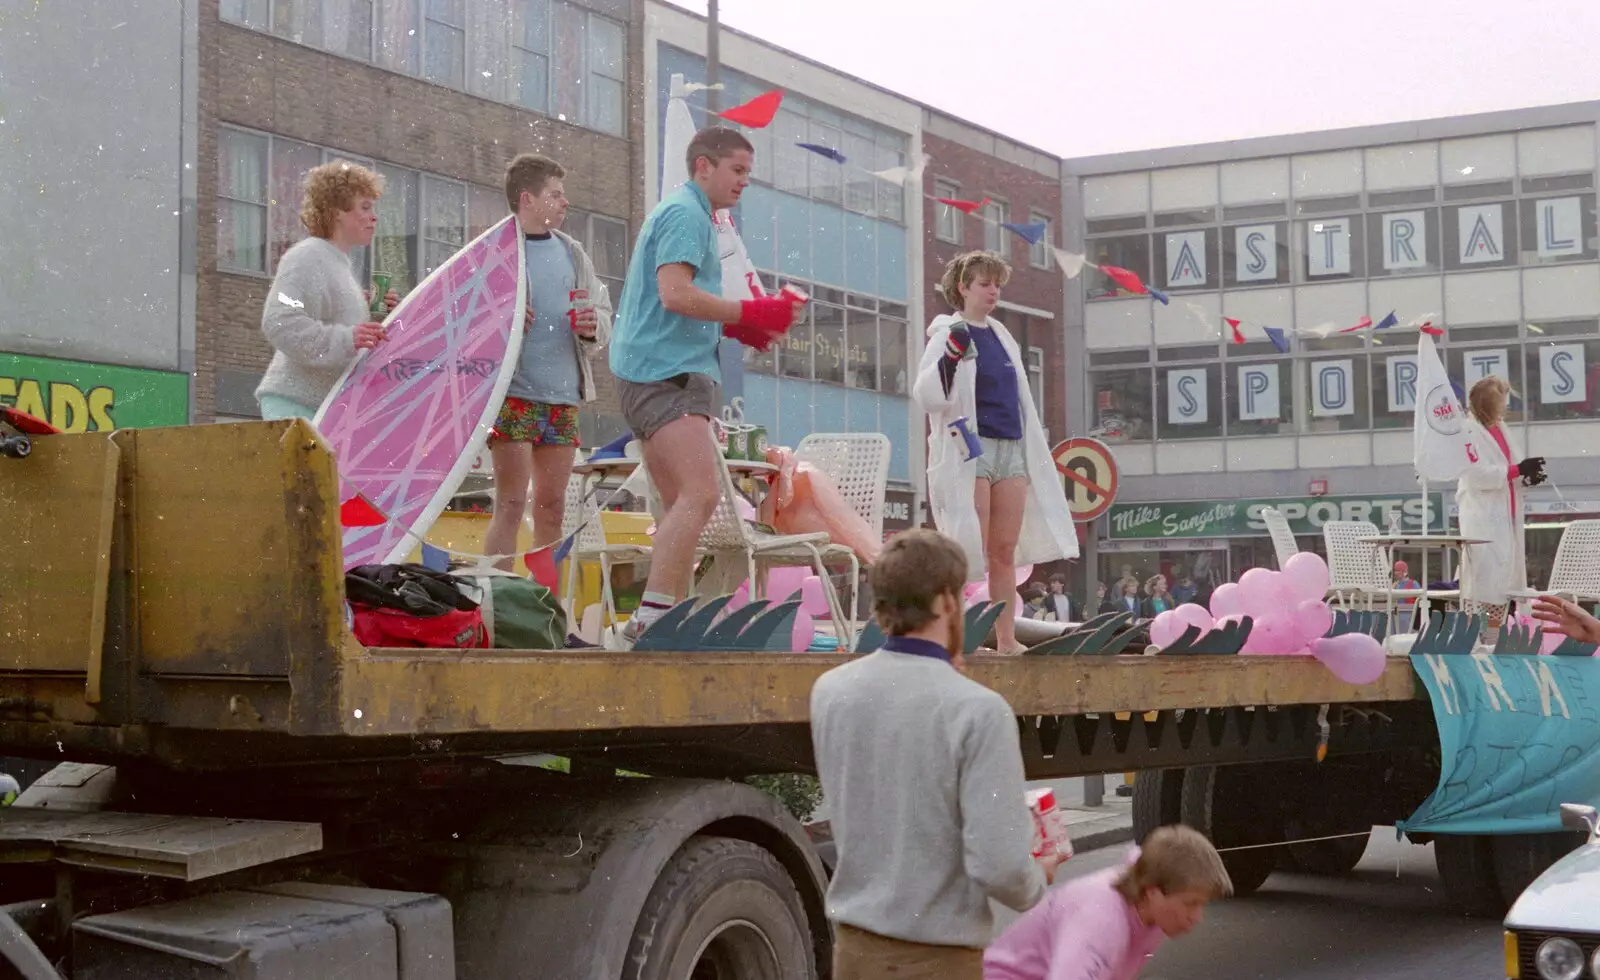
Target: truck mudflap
column 634, row 878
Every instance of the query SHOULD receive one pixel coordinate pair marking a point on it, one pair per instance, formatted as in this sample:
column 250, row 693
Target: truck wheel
column 1520, row 858
column 1325, row 857
column 1157, row 800
column 1466, row 869
column 722, row 909
column 1225, row 804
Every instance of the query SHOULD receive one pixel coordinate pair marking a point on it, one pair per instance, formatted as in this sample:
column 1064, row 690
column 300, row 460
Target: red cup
column 577, row 301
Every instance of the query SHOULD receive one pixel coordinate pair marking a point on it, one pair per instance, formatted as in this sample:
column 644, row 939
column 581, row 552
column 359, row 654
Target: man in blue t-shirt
column 568, row 322
column 664, row 355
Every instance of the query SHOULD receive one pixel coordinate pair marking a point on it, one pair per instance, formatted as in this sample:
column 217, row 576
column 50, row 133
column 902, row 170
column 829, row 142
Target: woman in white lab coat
column 1006, row 507
column 1489, row 495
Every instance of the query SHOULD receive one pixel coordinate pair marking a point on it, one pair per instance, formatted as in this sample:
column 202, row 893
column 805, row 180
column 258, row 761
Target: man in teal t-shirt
column 664, row 355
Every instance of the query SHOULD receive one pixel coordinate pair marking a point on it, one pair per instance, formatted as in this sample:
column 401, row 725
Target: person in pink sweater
column 1105, row 926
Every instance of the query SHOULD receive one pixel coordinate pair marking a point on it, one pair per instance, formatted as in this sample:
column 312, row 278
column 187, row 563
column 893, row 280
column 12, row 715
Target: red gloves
column 761, row 321
column 955, row 346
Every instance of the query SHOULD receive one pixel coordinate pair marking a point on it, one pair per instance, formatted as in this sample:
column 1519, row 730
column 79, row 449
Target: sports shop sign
column 1242, row 518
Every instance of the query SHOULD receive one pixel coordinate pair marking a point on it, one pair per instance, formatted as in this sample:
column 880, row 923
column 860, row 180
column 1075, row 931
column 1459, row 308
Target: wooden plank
column 237, row 550
column 56, row 514
column 392, row 692
column 185, row 848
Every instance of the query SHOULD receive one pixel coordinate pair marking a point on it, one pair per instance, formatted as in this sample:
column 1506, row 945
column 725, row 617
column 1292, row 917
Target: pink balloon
column 804, row 631
column 1271, row 635
column 1166, row 627
column 1261, row 594
column 747, row 510
column 813, row 599
column 741, row 597
column 1023, row 572
column 977, row 592
column 1196, row 615
column 1550, row 642
column 1225, row 600
column 1230, row 620
column 1305, row 576
column 1354, row 658
column 785, row 582
column 1312, row 620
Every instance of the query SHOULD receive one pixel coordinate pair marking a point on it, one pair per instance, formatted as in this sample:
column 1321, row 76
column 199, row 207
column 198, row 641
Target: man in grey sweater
column 922, row 770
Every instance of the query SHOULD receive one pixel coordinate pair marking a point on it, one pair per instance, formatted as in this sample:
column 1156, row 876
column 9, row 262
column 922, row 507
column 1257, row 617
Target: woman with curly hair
column 1006, row 507
column 316, row 315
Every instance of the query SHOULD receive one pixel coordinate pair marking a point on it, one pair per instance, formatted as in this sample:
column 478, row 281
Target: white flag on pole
column 739, row 277
column 1440, row 430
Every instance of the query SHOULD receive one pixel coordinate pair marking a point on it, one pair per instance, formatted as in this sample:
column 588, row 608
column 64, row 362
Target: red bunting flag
column 1238, row 336
column 965, row 207
column 357, row 512
column 1125, row 278
column 758, row 112
column 1361, row 324
column 542, row 566
column 1431, row 330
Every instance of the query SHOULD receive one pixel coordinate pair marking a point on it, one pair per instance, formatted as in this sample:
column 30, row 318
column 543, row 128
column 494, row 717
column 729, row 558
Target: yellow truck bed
column 177, row 594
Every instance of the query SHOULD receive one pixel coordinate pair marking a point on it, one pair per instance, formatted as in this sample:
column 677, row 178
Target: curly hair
column 1487, row 400
column 964, row 270
column 332, row 188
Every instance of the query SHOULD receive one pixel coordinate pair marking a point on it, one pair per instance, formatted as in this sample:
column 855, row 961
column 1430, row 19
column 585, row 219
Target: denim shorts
column 1002, row 459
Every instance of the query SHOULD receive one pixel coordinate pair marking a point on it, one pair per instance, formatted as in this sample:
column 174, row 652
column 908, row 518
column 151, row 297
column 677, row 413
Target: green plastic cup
column 380, row 288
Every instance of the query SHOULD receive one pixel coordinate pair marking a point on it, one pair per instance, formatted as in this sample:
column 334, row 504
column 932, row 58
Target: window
column 1479, row 236
column 1260, row 401
column 1255, row 254
column 1557, row 229
column 1467, row 365
column 791, row 165
column 444, row 37
column 1336, row 386
column 608, row 249
column 1186, row 260
column 246, row 13
column 828, row 331
column 1403, row 243
column 242, row 188
column 485, row 208
column 347, row 28
column 891, row 193
column 1394, row 380
column 299, row 21
column 893, row 364
column 827, row 176
column 531, row 54
column 1564, row 377
column 1189, row 401
column 569, row 31
column 290, row 161
column 444, row 230
column 1121, row 407
column 861, row 344
column 1035, row 357
column 860, row 186
column 1039, row 254
column 1131, row 252
column 608, row 60
column 1331, row 248
column 395, row 245
column 399, row 35
column 947, row 221
column 996, row 238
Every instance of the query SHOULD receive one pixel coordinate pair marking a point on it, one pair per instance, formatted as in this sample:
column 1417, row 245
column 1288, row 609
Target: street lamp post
column 713, row 55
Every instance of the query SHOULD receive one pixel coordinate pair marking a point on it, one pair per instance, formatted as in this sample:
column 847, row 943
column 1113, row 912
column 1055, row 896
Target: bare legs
column 519, row 468
column 1000, row 510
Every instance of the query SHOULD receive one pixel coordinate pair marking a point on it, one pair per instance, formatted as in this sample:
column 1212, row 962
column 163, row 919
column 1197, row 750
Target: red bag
column 458, row 628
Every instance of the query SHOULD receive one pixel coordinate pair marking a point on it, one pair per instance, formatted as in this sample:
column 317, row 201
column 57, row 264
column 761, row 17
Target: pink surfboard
column 409, row 416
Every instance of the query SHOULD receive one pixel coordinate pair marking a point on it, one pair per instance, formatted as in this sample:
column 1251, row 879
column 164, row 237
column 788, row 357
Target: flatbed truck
column 241, row 785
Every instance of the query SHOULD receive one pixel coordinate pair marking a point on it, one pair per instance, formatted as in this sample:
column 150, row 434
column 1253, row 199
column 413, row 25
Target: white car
column 1553, row 932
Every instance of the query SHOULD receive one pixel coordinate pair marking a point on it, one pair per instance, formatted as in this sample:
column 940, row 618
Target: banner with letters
column 1518, row 737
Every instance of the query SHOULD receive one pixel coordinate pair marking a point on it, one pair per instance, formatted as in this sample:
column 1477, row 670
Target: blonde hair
column 1175, row 859
column 1150, row 583
column 334, row 187
column 916, row 567
column 1480, row 399
column 964, row 270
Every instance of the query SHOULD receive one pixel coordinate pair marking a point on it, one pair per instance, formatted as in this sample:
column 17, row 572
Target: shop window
column 1563, row 378
column 1337, row 398
column 1331, row 248
column 1259, row 398
column 1189, row 401
column 444, row 230
column 861, row 349
column 1131, row 252
column 1186, row 260
column 1121, row 407
column 827, row 325
column 947, row 221
column 395, row 244
column 1479, row 236
column 1557, row 229
column 1394, row 380
column 894, row 366
column 1256, row 254
column 1403, row 243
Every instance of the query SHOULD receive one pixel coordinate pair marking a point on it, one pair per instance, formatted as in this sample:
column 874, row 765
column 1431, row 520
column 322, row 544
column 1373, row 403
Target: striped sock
column 652, row 606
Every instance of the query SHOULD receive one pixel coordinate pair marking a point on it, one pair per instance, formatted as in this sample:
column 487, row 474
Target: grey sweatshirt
column 312, row 307
column 922, row 770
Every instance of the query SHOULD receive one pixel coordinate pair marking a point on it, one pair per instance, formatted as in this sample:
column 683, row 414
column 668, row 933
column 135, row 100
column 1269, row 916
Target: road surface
column 1367, row 925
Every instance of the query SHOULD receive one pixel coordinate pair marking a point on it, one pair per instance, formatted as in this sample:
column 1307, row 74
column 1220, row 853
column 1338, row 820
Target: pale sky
column 1137, row 74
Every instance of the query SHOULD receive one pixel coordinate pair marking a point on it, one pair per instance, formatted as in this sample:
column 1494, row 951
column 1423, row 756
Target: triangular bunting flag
column 758, row 112
column 542, row 566
column 1071, row 263
column 966, row 207
column 1279, row 339
column 1387, row 322
column 1158, row 294
column 1233, row 324
column 823, row 151
column 1361, row 324
column 1124, row 278
column 1428, row 328
column 436, row 559
column 1030, row 233
column 357, row 512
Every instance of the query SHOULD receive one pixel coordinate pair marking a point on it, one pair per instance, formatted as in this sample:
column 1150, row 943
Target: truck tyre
column 1520, row 858
column 1466, row 869
column 1225, row 804
column 1324, row 857
column 722, row 908
column 1157, row 800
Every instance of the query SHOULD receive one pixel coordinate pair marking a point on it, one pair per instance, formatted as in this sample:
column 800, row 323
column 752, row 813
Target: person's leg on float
column 552, row 469
column 679, row 458
column 1008, row 499
column 982, row 500
column 513, row 469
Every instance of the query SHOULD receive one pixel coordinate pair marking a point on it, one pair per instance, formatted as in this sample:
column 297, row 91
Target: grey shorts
column 1002, row 459
column 649, row 406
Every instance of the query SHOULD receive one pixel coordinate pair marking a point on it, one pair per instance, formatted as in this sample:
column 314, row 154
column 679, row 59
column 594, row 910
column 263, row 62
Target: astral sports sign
column 1242, row 518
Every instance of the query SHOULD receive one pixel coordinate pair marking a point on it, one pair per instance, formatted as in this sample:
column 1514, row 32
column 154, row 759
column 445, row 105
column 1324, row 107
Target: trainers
column 623, row 639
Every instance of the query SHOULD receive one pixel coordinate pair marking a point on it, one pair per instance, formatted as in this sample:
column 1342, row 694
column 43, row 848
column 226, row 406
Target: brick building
column 438, row 97
column 1023, row 186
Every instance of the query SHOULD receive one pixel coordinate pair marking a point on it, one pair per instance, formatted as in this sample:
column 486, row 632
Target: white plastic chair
column 1282, row 537
column 858, row 465
column 1576, row 571
column 591, row 545
column 1356, row 571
